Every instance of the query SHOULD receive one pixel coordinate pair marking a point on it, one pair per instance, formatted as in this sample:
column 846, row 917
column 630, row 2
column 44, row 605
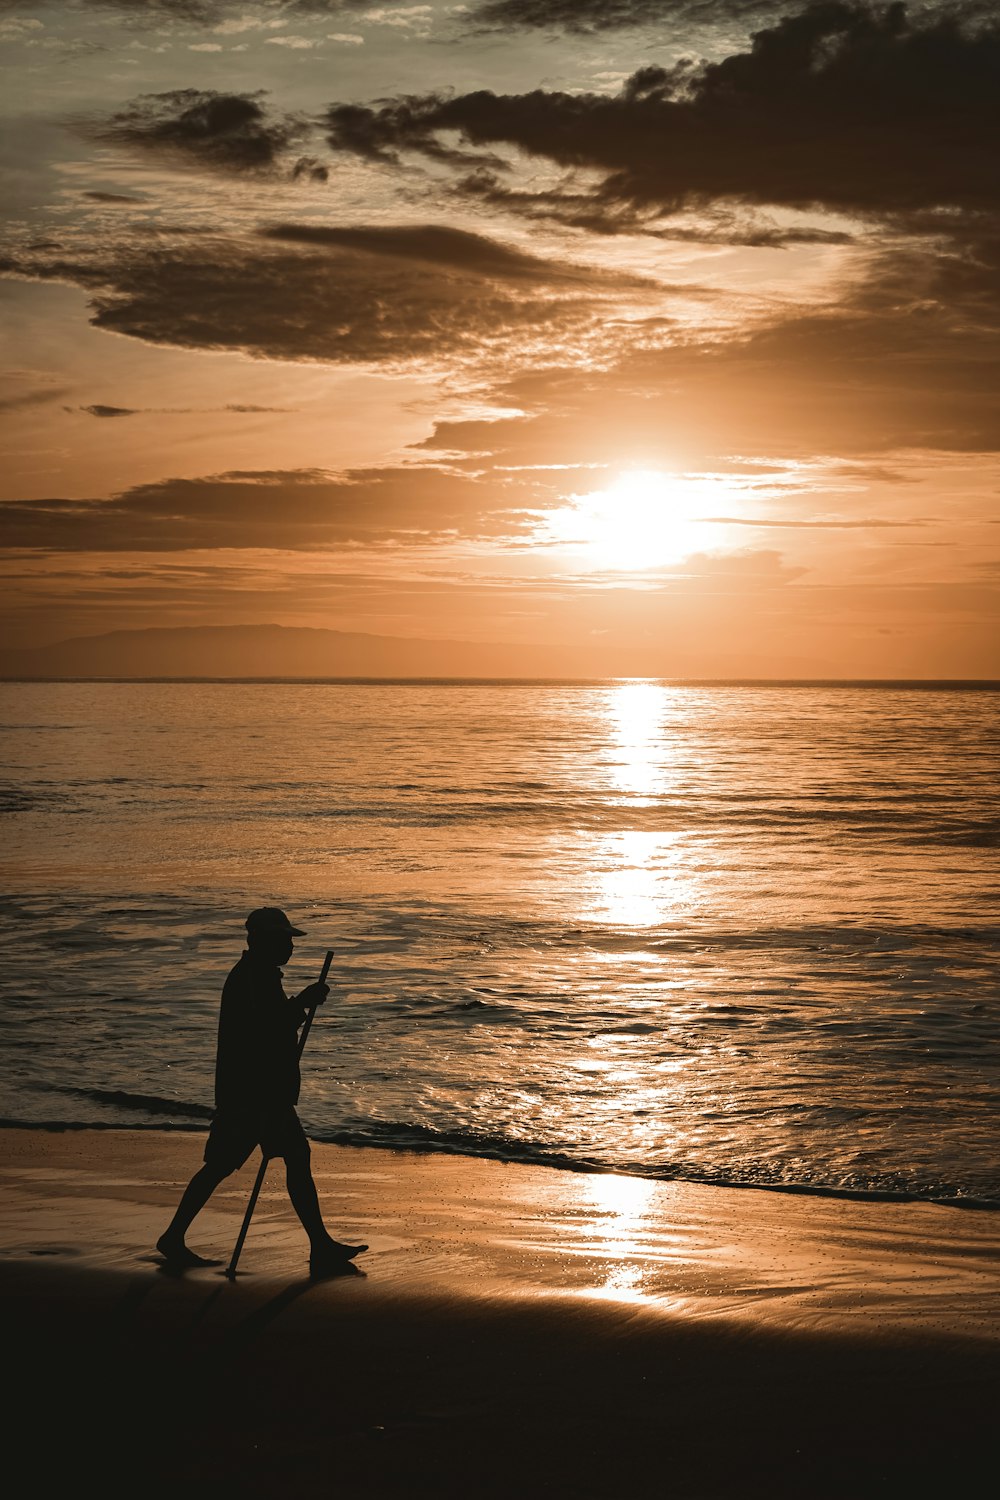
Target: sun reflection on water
column 637, row 718
column 641, row 876
column 636, row 885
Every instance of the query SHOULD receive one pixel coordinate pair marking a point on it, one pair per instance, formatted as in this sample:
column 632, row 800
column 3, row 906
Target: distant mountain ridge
column 278, row 651
column 295, row 651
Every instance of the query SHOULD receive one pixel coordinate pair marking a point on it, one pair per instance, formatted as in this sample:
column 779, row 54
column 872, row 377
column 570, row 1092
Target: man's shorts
column 234, row 1137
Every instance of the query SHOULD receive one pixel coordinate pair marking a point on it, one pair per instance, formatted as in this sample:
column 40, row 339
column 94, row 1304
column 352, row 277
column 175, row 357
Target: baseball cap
column 271, row 919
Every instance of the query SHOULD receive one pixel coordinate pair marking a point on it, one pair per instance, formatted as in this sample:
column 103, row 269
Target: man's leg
column 197, row 1193
column 305, row 1199
column 325, row 1253
column 230, row 1142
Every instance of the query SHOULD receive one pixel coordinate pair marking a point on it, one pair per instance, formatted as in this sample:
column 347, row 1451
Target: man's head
column 270, row 934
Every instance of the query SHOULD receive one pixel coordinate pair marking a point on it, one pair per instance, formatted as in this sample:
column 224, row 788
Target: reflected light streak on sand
column 623, row 1200
column 621, row 1232
column 623, row 1283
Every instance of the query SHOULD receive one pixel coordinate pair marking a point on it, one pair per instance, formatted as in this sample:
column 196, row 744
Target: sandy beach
column 512, row 1330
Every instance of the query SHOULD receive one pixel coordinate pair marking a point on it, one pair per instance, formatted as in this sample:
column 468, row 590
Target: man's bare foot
column 179, row 1257
column 347, row 1251
column 333, row 1257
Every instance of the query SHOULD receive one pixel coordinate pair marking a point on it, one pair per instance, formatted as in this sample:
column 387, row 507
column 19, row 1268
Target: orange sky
column 663, row 330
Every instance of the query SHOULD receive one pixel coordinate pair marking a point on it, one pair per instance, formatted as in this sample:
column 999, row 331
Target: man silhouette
column 256, row 1090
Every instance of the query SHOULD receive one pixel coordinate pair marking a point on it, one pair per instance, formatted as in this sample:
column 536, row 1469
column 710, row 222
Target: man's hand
column 313, row 994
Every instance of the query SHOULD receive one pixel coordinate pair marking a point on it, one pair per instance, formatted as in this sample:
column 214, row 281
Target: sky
column 660, row 333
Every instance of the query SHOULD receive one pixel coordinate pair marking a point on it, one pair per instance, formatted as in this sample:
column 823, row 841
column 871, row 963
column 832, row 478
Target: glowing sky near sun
column 654, row 334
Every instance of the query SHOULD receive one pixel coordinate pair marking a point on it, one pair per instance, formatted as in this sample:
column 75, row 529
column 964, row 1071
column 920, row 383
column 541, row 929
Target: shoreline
column 512, row 1329
column 554, row 1163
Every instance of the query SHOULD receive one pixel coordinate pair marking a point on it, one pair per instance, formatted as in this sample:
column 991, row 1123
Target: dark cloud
column 98, row 410
column 594, row 16
column 364, row 295
column 872, row 474
column 844, row 106
column 579, row 17
column 290, row 511
column 583, row 209
column 719, row 228
column 449, row 249
column 819, row 523
column 227, row 132
column 611, row 15
column 310, row 168
column 575, row 208
column 573, row 16
column 199, row 12
column 175, row 411
column 99, row 197
column 23, row 399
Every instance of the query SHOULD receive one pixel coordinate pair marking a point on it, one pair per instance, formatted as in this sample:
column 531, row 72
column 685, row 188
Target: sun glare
column 645, row 519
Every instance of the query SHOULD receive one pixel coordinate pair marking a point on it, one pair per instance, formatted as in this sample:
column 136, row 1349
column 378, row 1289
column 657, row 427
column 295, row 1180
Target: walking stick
column 262, row 1169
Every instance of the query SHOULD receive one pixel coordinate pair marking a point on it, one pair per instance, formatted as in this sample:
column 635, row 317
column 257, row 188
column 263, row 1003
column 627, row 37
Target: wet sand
column 512, row 1331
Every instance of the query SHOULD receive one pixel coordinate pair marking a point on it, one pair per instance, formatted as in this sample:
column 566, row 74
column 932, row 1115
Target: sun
column 644, row 519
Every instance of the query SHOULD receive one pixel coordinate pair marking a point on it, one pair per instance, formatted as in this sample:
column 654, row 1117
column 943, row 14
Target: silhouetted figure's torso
column 257, row 1065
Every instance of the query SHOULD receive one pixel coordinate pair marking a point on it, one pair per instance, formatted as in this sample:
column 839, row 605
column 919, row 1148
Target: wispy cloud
column 290, row 511
column 383, row 294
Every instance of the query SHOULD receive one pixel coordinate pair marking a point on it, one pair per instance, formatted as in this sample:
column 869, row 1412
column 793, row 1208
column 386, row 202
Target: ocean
column 733, row 934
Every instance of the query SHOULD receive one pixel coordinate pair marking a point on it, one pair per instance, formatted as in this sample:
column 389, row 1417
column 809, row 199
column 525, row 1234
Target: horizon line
column 927, row 683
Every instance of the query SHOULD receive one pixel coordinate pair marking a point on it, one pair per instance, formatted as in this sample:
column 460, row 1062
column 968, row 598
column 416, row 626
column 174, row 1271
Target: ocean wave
column 150, row 1104
column 387, row 1135
column 60, row 1125
column 21, row 798
column 396, row 1136
column 908, row 824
